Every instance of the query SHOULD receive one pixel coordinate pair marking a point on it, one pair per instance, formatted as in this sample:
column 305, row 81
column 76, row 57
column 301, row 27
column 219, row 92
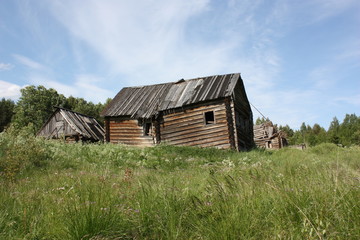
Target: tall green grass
column 105, row 191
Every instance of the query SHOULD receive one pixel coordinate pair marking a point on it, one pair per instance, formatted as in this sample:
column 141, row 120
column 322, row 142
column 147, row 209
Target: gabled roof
column 84, row 125
column 146, row 101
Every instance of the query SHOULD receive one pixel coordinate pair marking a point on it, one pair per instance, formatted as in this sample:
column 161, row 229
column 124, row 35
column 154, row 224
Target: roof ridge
column 171, row 95
column 74, row 112
column 180, row 80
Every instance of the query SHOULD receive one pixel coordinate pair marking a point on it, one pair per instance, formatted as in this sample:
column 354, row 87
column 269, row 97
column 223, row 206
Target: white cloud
column 154, row 45
column 84, row 86
column 309, row 12
column 323, row 77
column 147, row 42
column 5, row 66
column 353, row 100
column 87, row 86
column 47, row 82
column 329, row 8
column 9, row 90
column 158, row 41
column 128, row 35
column 28, row 62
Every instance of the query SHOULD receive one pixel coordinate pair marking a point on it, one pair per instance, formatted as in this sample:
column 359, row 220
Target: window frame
column 208, row 121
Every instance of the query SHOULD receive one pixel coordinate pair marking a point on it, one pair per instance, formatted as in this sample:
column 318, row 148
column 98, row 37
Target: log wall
column 188, row 127
column 126, row 131
column 267, row 136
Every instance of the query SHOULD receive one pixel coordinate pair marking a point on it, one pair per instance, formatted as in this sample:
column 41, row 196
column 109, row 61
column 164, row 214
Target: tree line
column 36, row 105
column 345, row 133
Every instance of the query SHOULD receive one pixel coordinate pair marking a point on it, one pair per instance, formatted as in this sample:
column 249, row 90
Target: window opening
column 209, row 118
column 147, row 127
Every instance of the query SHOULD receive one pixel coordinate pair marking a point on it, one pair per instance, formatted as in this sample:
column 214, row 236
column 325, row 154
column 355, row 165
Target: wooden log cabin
column 72, row 127
column 209, row 111
column 267, row 136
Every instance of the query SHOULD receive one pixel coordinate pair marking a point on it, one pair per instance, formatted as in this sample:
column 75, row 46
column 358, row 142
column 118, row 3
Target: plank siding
column 127, row 132
column 266, row 135
column 71, row 126
column 188, row 127
column 243, row 118
column 57, row 127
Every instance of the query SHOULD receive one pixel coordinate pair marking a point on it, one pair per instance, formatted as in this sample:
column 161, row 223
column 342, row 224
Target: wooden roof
column 146, row 101
column 84, row 125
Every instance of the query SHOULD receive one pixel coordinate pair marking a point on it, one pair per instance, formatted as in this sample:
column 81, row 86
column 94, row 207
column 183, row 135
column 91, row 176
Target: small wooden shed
column 72, row 126
column 266, row 135
column 209, row 111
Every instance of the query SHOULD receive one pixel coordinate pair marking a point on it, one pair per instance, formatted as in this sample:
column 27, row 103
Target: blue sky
column 299, row 59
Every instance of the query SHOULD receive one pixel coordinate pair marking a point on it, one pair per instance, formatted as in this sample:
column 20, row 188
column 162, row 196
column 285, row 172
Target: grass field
column 52, row 190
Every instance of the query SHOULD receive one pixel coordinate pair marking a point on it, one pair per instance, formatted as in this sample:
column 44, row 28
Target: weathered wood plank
column 190, row 134
column 199, row 141
column 190, row 125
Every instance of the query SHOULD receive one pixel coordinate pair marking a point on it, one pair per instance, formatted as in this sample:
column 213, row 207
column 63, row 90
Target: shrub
column 20, row 151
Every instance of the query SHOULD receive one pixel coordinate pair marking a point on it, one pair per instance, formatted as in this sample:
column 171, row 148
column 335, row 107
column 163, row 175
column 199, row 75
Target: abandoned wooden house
column 71, row 126
column 267, row 136
column 208, row 112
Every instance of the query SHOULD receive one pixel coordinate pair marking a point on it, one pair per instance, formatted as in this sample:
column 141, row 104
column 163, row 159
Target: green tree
column 309, row 135
column 349, row 130
column 303, row 128
column 289, row 132
column 36, row 106
column 6, row 112
column 317, row 135
column 82, row 106
column 261, row 120
column 333, row 131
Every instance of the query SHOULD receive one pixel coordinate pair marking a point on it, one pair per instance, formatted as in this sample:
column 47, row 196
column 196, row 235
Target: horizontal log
column 199, row 141
column 195, row 115
column 191, row 125
column 197, row 118
column 198, row 134
column 215, row 106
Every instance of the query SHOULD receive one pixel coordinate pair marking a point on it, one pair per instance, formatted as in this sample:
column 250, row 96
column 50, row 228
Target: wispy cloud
column 329, row 8
column 85, row 86
column 129, row 35
column 48, row 82
column 145, row 43
column 9, row 90
column 353, row 100
column 5, row 66
column 308, row 12
column 28, row 62
column 88, row 84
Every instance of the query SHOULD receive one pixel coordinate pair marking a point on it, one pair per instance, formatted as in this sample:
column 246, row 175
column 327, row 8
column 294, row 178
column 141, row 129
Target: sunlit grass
column 110, row 191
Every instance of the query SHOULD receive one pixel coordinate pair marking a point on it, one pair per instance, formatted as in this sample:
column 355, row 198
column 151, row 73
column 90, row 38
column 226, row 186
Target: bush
column 20, row 151
column 324, row 148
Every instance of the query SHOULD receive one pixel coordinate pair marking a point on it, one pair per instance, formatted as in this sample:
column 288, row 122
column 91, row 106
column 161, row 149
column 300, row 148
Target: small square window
column 209, row 118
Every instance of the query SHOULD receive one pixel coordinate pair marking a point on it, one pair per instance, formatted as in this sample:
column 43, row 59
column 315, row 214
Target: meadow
column 52, row 190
